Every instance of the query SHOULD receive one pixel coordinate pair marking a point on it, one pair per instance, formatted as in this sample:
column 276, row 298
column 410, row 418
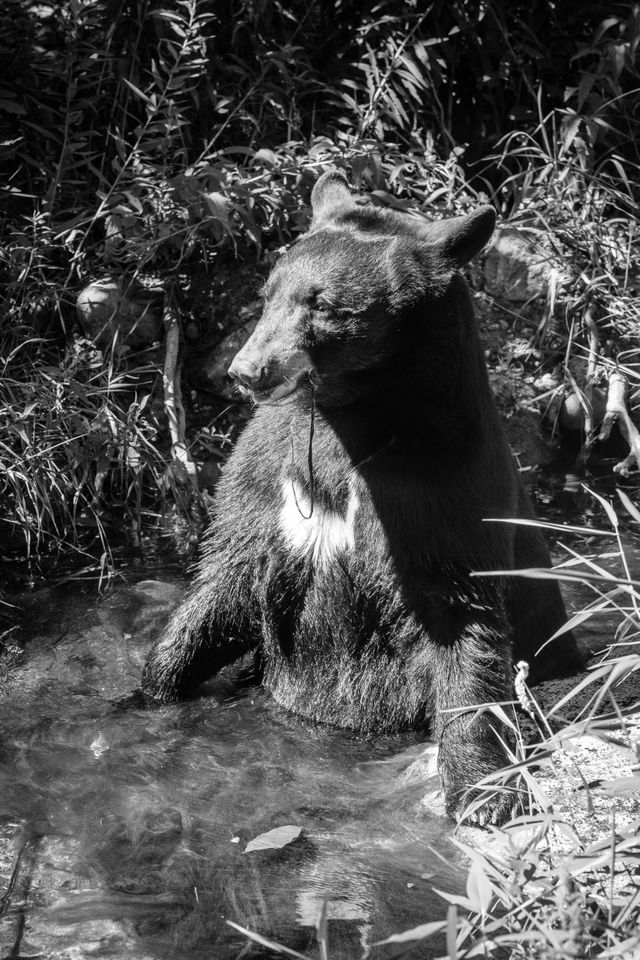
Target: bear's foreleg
column 472, row 667
column 213, row 627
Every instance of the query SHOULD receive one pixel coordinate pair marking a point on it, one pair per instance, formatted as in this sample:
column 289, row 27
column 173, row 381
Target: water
column 123, row 827
column 561, row 497
column 129, row 823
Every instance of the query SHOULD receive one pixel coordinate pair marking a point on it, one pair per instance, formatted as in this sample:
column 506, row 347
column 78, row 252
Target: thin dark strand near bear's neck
column 310, row 479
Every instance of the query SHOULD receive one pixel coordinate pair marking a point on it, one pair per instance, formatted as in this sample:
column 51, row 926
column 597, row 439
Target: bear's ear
column 330, row 195
column 460, row 239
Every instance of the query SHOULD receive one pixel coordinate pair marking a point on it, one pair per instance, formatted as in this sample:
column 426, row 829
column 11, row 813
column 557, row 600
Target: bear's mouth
column 279, row 391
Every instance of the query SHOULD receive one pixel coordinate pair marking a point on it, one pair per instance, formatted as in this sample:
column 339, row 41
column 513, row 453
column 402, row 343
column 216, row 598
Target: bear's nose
column 247, row 371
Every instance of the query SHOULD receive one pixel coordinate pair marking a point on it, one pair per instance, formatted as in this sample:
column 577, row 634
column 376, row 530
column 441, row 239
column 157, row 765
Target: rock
column 572, row 409
column 106, row 307
column 218, row 362
column 519, row 267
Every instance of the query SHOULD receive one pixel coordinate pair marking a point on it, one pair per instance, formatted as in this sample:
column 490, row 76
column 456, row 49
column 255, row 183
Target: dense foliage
column 148, row 141
column 145, row 140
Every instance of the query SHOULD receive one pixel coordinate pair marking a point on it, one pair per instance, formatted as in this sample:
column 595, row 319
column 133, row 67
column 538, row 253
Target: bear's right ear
column 459, row 240
column 330, row 195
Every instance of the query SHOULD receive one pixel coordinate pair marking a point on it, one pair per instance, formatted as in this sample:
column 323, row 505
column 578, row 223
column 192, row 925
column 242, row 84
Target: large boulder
column 519, row 266
column 109, row 307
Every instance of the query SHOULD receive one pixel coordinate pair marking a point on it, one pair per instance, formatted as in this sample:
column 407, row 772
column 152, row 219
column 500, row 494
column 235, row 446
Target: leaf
column 582, row 615
column 133, row 200
column 479, row 889
column 217, row 204
column 416, row 933
column 497, row 710
column 609, row 673
column 608, row 508
column 270, row 944
column 570, row 132
column 274, row 839
column 561, row 527
column 10, row 106
column 455, row 899
column 629, row 506
column 390, row 201
column 138, row 92
column 266, row 156
column 323, row 933
column 622, row 785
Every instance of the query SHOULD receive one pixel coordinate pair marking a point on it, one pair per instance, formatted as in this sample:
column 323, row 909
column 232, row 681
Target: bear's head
column 362, row 289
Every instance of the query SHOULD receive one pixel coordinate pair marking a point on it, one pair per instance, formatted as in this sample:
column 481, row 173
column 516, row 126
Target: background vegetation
column 153, row 142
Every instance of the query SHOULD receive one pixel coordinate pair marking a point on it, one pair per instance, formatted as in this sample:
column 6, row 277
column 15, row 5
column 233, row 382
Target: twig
column 617, row 412
column 594, row 343
column 586, row 399
column 173, row 393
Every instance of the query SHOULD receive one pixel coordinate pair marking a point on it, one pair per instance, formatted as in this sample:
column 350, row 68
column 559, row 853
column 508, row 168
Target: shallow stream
column 123, row 827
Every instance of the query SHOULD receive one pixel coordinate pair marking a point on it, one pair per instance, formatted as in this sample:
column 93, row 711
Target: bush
column 145, row 142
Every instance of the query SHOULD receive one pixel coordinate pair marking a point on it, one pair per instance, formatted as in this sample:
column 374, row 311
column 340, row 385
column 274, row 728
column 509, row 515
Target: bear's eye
column 318, row 302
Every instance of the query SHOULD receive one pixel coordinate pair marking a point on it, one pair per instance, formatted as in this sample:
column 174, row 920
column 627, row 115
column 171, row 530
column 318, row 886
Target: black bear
column 352, row 511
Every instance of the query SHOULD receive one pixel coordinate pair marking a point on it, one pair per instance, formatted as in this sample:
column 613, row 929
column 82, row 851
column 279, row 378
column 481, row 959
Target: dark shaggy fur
column 349, row 569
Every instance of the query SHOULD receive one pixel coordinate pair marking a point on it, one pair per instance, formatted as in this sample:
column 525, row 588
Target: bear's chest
column 319, row 529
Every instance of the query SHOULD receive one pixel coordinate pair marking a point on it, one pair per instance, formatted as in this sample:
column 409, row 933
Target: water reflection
column 123, row 827
column 130, row 823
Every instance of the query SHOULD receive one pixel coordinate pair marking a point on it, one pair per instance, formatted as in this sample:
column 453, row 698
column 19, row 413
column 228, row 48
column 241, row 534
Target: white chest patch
column 319, row 534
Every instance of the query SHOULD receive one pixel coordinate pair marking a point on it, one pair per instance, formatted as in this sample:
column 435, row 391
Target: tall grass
column 561, row 880
column 79, row 448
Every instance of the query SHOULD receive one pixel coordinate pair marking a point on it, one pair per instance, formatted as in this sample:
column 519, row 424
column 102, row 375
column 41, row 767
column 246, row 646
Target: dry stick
column 173, row 393
column 586, row 400
column 594, row 343
column 617, row 412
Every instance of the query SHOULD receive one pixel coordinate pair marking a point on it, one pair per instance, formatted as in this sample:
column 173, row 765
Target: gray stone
column 215, row 369
column 106, row 307
column 519, row 266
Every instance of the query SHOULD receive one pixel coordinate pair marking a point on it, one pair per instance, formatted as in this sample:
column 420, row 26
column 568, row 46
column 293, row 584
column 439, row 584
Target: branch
column 173, row 393
column 587, row 397
column 617, row 412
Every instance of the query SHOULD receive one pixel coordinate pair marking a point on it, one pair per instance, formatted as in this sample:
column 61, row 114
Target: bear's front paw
column 465, row 767
column 158, row 683
column 472, row 809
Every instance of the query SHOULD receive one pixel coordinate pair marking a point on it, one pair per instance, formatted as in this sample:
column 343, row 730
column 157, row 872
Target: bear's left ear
column 460, row 239
column 330, row 195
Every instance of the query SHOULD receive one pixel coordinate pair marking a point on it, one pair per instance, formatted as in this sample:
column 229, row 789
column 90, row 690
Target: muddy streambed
column 123, row 827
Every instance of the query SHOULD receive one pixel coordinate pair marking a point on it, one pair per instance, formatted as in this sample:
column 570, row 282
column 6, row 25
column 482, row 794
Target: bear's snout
column 249, row 372
column 270, row 379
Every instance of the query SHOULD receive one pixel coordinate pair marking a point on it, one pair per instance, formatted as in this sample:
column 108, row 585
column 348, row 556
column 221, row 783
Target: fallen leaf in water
column 99, row 746
column 274, row 839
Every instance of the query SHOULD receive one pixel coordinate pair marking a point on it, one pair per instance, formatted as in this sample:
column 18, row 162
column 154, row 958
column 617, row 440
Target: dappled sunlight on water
column 129, row 822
